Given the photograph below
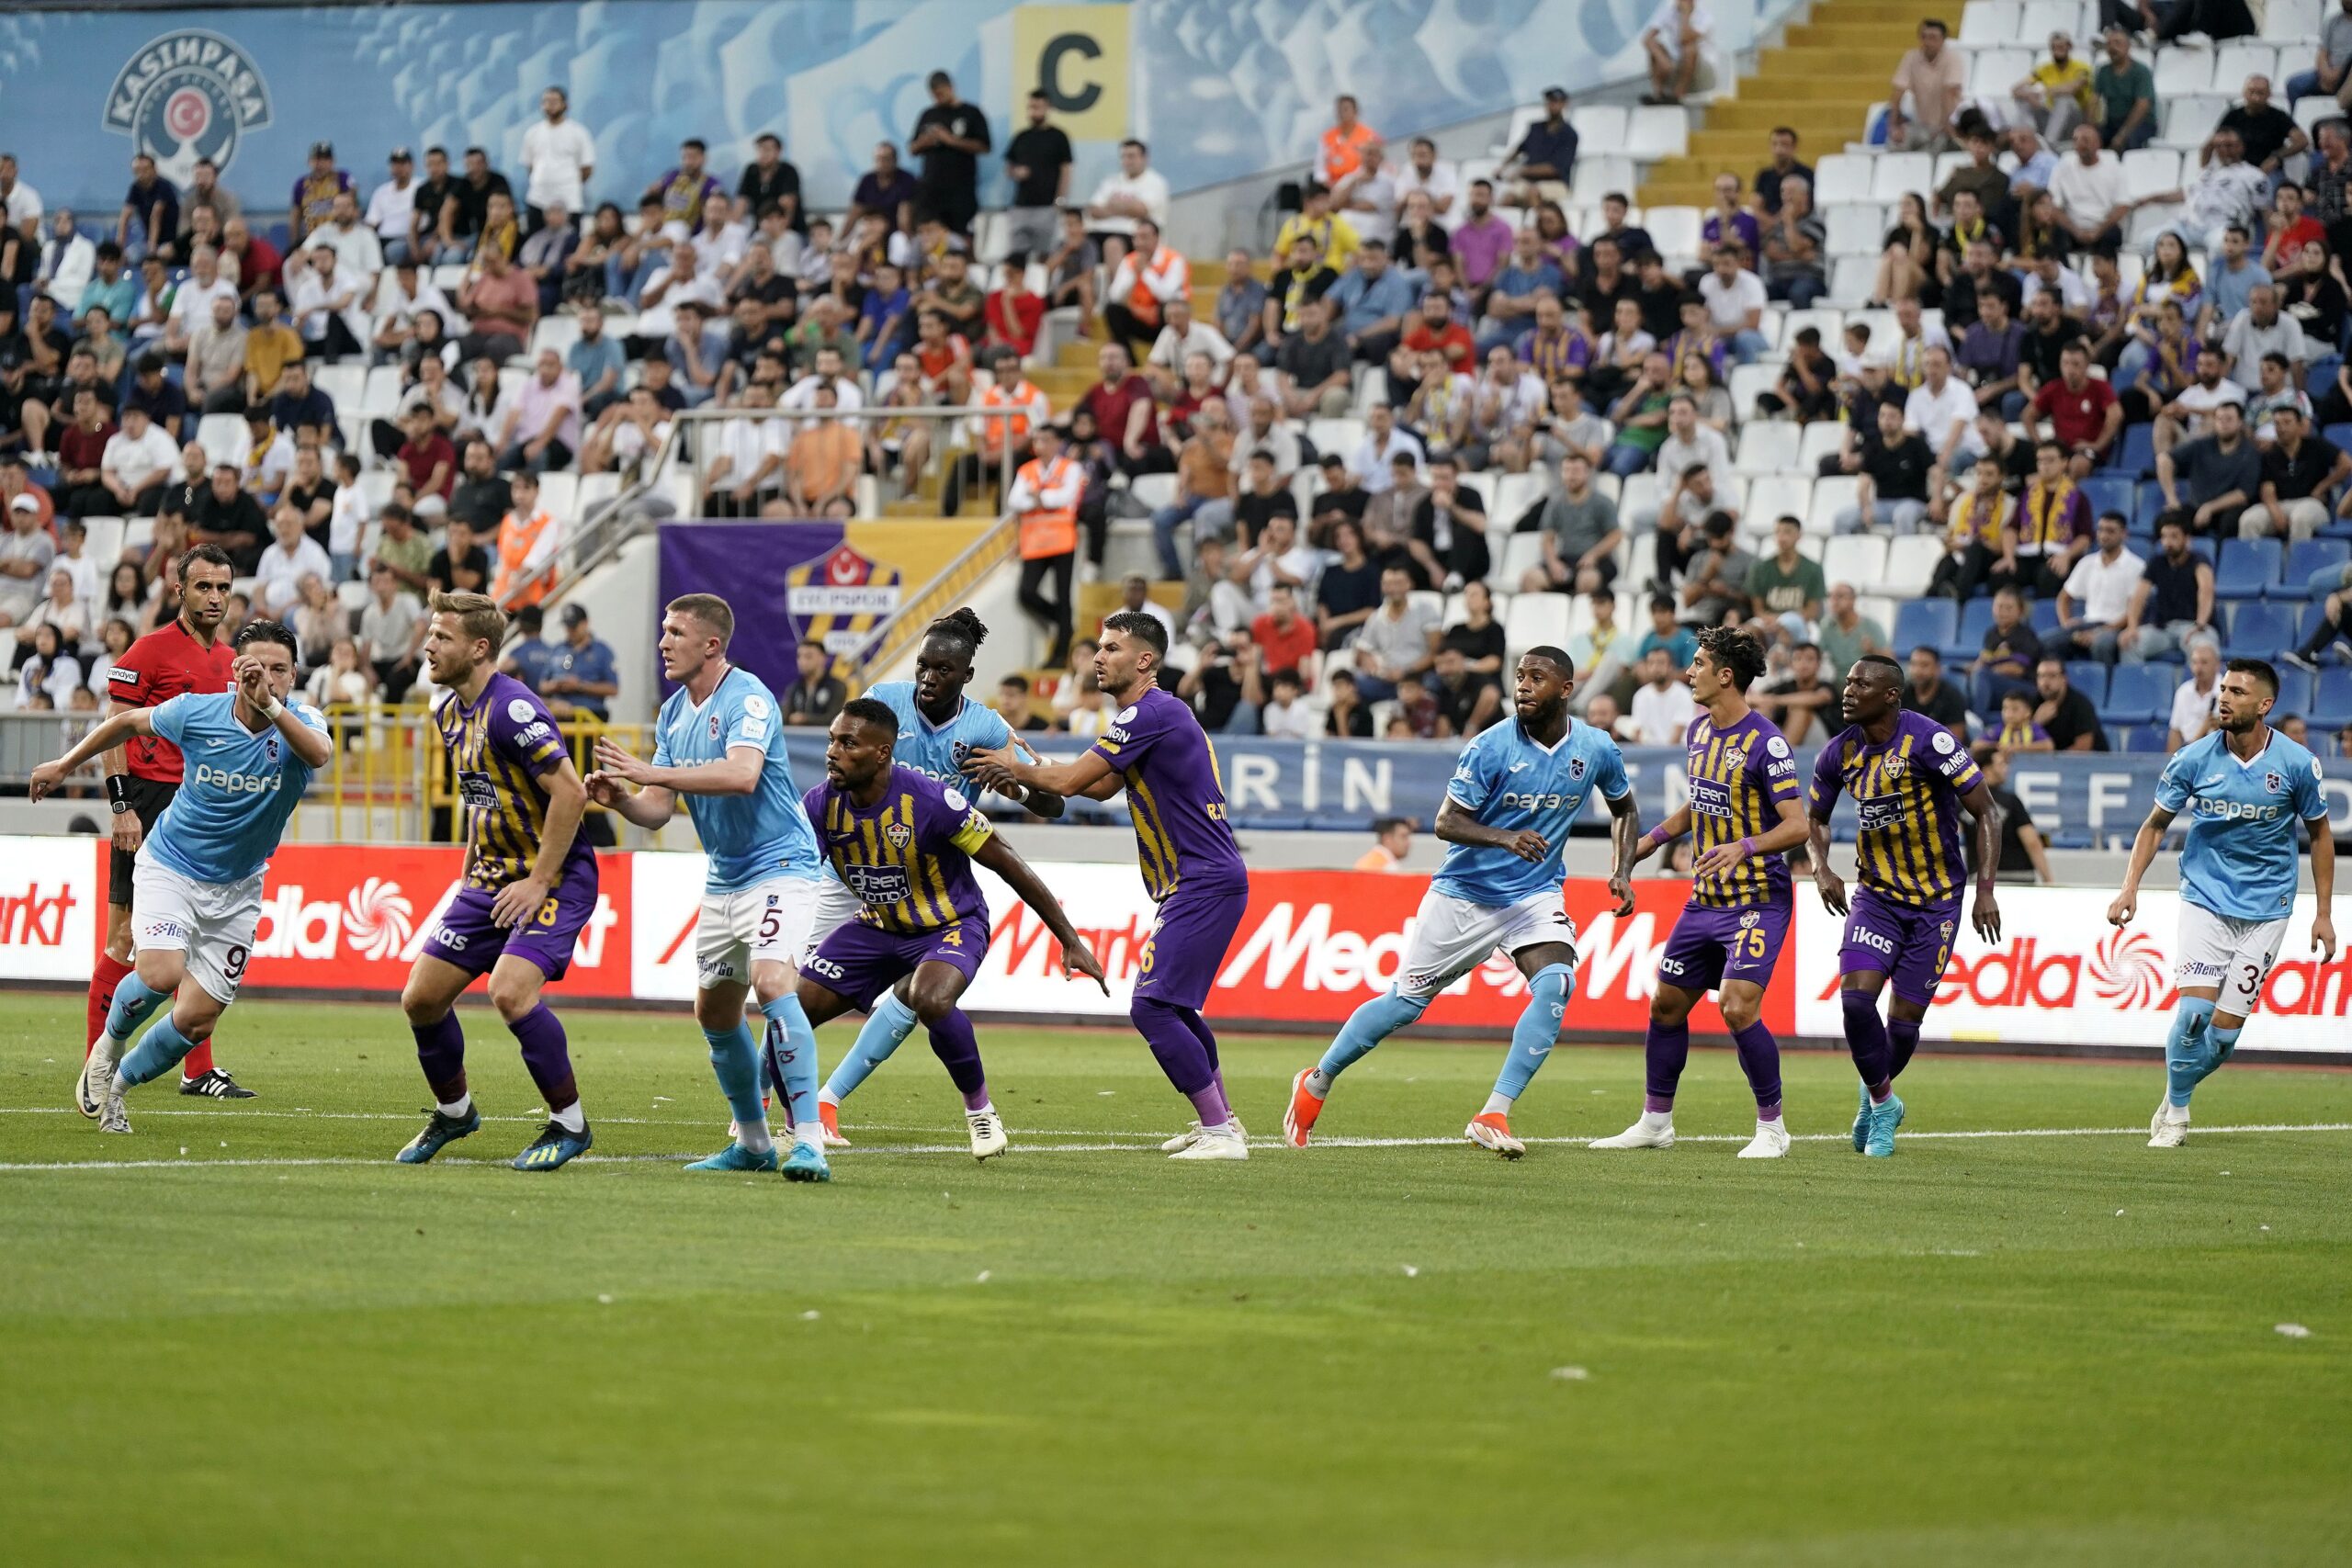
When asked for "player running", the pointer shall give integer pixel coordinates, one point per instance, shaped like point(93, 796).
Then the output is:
point(1911, 780)
point(719, 746)
point(2244, 787)
point(939, 729)
point(1506, 814)
point(198, 877)
point(188, 655)
point(530, 886)
point(904, 843)
point(1184, 847)
point(1745, 811)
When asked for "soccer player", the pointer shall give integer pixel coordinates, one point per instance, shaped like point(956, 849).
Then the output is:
point(1191, 868)
point(188, 655)
point(1506, 818)
point(1745, 811)
point(1911, 780)
point(904, 843)
point(530, 886)
point(198, 876)
point(939, 729)
point(720, 745)
point(2244, 787)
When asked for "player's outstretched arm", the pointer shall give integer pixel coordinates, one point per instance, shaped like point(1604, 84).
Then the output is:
point(2323, 884)
point(649, 807)
point(1625, 842)
point(2150, 838)
point(112, 732)
point(738, 772)
point(1457, 824)
point(1986, 813)
point(1089, 773)
point(1006, 862)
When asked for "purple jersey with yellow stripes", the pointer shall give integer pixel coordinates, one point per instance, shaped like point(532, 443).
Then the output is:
point(908, 856)
point(1159, 750)
point(1907, 794)
point(500, 747)
point(1739, 776)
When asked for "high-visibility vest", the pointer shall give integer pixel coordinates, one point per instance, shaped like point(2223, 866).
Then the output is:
point(1343, 149)
point(516, 538)
point(1012, 430)
point(1049, 530)
point(1141, 298)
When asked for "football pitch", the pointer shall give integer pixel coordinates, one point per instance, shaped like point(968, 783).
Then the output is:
point(242, 1336)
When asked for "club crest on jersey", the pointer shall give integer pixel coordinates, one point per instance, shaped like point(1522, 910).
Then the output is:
point(269, 748)
point(900, 835)
point(960, 751)
point(2273, 782)
point(1897, 766)
point(1576, 767)
point(1944, 931)
point(1749, 920)
point(714, 727)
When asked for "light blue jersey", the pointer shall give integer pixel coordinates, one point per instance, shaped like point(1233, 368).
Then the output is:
point(1506, 781)
point(937, 751)
point(753, 838)
point(2240, 858)
point(237, 792)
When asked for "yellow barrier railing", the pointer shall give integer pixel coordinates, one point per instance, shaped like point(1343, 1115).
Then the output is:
point(388, 777)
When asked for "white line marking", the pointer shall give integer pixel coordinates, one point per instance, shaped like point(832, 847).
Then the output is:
point(1151, 1145)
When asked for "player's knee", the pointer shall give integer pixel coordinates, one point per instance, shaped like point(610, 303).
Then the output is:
point(1855, 1004)
point(513, 995)
point(715, 1012)
point(1740, 1012)
point(1668, 1009)
point(422, 1006)
point(161, 970)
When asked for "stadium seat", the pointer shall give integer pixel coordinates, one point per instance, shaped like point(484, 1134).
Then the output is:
point(101, 540)
point(2137, 694)
point(1154, 490)
point(1987, 24)
point(1851, 279)
point(1747, 381)
point(2135, 453)
point(224, 438)
point(2041, 614)
point(2087, 676)
point(2249, 569)
point(2181, 72)
point(2038, 18)
point(1768, 447)
point(559, 493)
point(2150, 171)
point(2137, 738)
point(2295, 690)
point(1536, 618)
point(1993, 71)
point(2242, 58)
point(1856, 560)
point(2260, 629)
point(1975, 620)
point(1657, 131)
point(381, 394)
point(1855, 228)
point(556, 332)
point(1673, 229)
point(2304, 558)
point(1822, 438)
point(1929, 621)
point(1825, 322)
point(2332, 700)
point(344, 384)
point(2292, 22)
point(1339, 435)
point(1841, 177)
point(1911, 562)
point(1830, 496)
point(1598, 125)
point(1522, 553)
point(2109, 493)
point(1777, 496)
point(2189, 121)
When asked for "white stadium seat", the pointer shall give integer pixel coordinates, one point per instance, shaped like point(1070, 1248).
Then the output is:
point(1851, 278)
point(1154, 490)
point(1673, 229)
point(224, 438)
point(1640, 498)
point(2038, 18)
point(382, 393)
point(2294, 23)
point(2189, 121)
point(1828, 323)
point(1896, 174)
point(1536, 619)
point(559, 493)
point(1598, 125)
point(1855, 228)
point(1910, 562)
point(1521, 118)
point(1830, 496)
point(2150, 171)
point(1781, 495)
point(1874, 608)
point(1597, 176)
point(1839, 178)
point(1514, 493)
point(1993, 72)
point(2238, 59)
point(1822, 438)
point(2183, 70)
point(1985, 24)
point(344, 384)
point(1657, 131)
point(1339, 435)
point(1747, 381)
point(1768, 446)
point(1522, 553)
point(1946, 163)
point(1858, 559)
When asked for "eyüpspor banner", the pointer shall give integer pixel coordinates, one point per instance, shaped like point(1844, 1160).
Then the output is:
point(1312, 946)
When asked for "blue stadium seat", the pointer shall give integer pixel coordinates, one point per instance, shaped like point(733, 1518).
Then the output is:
point(2304, 558)
point(2135, 455)
point(1929, 621)
point(2248, 570)
point(2087, 676)
point(2041, 614)
point(2339, 434)
point(2319, 382)
point(2151, 501)
point(2137, 694)
point(2332, 706)
point(2111, 493)
point(2294, 691)
point(2259, 630)
point(2137, 738)
point(1975, 620)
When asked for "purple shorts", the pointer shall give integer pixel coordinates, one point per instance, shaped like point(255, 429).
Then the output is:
point(463, 935)
point(1187, 945)
point(1708, 947)
point(860, 962)
point(1910, 946)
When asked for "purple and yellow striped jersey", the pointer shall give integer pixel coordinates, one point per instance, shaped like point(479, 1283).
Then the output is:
point(1173, 794)
point(499, 749)
point(1739, 776)
point(1906, 795)
point(908, 856)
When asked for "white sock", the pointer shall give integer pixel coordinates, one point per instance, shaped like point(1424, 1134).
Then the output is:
point(571, 1119)
point(456, 1111)
point(754, 1137)
point(1656, 1118)
point(1496, 1105)
point(986, 1110)
point(827, 1097)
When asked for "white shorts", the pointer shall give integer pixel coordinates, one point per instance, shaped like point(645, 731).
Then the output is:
point(212, 922)
point(836, 907)
point(1453, 936)
point(768, 923)
point(2236, 956)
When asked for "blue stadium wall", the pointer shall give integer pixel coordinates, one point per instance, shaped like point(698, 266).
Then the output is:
point(1222, 88)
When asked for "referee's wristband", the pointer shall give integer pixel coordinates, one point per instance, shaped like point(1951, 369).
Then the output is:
point(119, 789)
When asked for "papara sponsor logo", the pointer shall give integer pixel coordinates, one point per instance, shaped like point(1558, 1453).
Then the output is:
point(234, 782)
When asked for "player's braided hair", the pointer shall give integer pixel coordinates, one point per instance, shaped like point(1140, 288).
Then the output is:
point(1734, 650)
point(960, 625)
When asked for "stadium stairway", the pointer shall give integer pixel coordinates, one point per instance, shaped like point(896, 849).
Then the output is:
point(1820, 82)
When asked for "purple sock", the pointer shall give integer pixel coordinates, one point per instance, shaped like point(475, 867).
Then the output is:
point(546, 1056)
point(1177, 1048)
point(1903, 1034)
point(441, 1051)
point(1759, 1058)
point(1210, 1105)
point(959, 1050)
point(1866, 1037)
point(1665, 1049)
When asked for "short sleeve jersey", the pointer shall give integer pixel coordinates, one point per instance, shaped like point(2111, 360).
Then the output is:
point(1907, 794)
point(240, 788)
point(157, 668)
point(1508, 780)
point(908, 856)
point(938, 751)
point(2240, 858)
point(1158, 746)
point(501, 749)
point(748, 838)
point(1738, 776)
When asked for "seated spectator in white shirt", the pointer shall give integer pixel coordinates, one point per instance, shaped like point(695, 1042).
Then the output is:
point(1662, 704)
point(277, 579)
point(1383, 441)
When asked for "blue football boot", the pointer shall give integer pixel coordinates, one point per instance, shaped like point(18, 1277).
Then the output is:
point(438, 1134)
point(807, 1163)
point(1886, 1117)
point(555, 1147)
point(735, 1156)
point(1863, 1120)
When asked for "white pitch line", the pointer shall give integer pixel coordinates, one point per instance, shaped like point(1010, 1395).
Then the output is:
point(199, 1163)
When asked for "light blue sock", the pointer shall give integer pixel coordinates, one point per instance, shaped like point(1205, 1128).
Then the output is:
point(153, 1056)
point(797, 1062)
point(1366, 1027)
point(735, 1060)
point(1538, 1027)
point(887, 1028)
point(2184, 1050)
point(133, 1001)
point(2224, 1043)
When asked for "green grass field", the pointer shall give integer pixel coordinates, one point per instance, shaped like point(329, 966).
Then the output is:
point(242, 1335)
